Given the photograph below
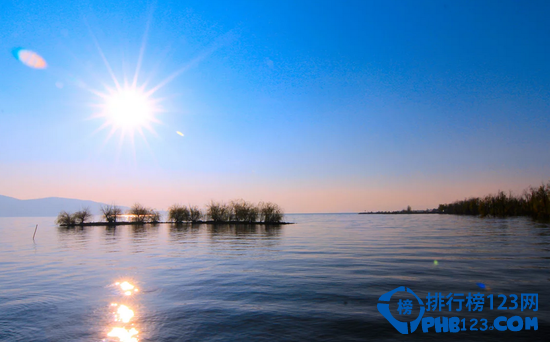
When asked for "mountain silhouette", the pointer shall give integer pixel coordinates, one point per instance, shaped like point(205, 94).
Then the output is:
point(45, 207)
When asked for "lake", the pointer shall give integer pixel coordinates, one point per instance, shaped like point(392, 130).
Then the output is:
point(317, 280)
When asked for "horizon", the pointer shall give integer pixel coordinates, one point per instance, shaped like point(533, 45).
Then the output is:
point(160, 209)
point(316, 106)
point(165, 210)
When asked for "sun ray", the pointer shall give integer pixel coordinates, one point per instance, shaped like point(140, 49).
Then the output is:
point(96, 43)
point(223, 40)
point(120, 143)
point(102, 127)
point(169, 79)
point(128, 106)
point(106, 140)
point(98, 93)
point(126, 110)
point(155, 68)
point(147, 144)
point(141, 52)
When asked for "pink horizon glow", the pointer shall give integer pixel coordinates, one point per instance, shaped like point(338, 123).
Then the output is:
point(293, 196)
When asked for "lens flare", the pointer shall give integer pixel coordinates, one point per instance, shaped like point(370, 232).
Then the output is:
point(29, 58)
point(483, 286)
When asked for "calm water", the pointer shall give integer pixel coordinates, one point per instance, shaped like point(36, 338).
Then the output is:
point(317, 280)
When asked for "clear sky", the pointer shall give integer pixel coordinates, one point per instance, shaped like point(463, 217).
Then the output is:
point(319, 106)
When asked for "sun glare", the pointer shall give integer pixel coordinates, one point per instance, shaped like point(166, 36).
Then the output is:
point(128, 106)
point(128, 109)
point(124, 316)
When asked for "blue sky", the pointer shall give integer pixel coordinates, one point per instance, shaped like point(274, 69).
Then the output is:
point(321, 106)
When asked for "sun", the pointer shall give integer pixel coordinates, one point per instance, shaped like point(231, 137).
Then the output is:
point(126, 106)
point(128, 109)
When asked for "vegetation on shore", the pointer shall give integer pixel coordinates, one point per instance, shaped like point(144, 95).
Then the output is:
point(141, 214)
point(77, 218)
point(534, 202)
point(404, 211)
point(181, 213)
point(111, 213)
point(236, 211)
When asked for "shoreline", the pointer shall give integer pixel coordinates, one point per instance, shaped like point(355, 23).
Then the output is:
point(398, 212)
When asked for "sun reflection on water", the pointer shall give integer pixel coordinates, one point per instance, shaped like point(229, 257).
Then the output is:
point(127, 288)
point(124, 314)
point(124, 335)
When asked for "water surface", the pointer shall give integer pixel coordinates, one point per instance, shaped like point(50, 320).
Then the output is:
point(316, 280)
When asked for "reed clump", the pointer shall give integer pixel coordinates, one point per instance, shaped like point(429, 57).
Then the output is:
point(142, 214)
point(65, 219)
point(111, 213)
point(219, 212)
point(237, 210)
point(77, 218)
point(195, 214)
point(181, 213)
point(270, 212)
point(244, 211)
point(534, 202)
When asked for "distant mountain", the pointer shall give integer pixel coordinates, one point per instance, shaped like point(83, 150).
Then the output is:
point(45, 207)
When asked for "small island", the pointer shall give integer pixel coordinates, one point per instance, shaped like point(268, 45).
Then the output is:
point(234, 212)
